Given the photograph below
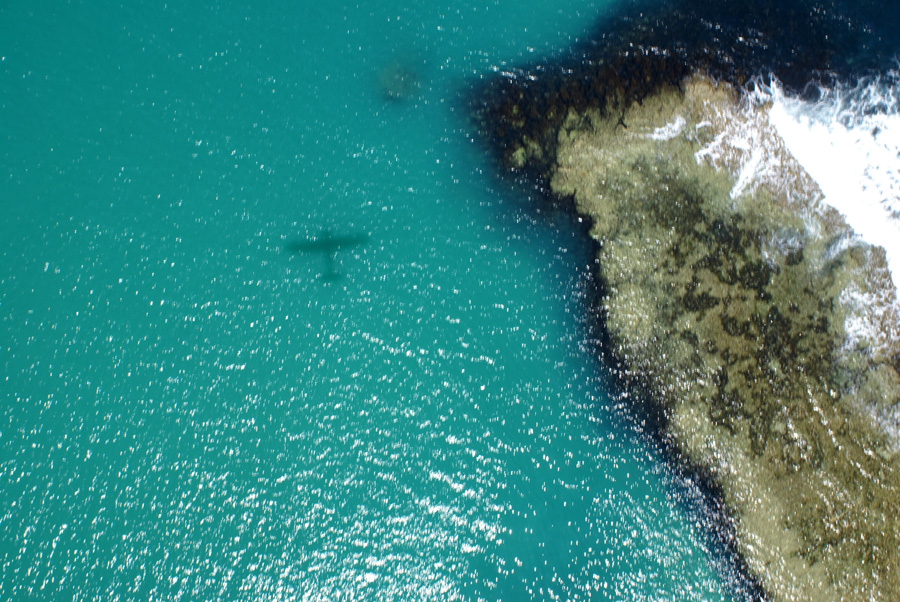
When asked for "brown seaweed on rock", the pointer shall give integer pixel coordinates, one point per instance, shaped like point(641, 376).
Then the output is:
point(647, 45)
point(738, 342)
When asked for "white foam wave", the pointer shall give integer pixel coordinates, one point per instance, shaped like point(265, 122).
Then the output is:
point(748, 146)
point(668, 131)
point(849, 143)
point(841, 151)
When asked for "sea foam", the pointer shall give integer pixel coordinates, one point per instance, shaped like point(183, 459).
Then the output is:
point(842, 152)
point(848, 141)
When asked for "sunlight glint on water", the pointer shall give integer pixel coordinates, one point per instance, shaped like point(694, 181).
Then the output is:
point(193, 413)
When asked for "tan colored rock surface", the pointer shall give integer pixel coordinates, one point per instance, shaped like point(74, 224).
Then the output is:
point(729, 294)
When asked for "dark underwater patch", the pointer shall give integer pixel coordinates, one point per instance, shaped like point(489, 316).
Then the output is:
point(635, 52)
point(644, 46)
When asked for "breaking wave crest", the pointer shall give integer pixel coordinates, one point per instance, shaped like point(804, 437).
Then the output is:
point(848, 141)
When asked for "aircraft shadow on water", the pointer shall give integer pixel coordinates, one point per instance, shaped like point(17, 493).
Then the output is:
point(328, 245)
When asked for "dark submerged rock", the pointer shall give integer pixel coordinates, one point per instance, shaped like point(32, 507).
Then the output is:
point(645, 46)
point(779, 329)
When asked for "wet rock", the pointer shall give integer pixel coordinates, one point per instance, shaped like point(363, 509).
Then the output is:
point(762, 393)
point(718, 307)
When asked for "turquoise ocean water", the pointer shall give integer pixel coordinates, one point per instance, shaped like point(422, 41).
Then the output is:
point(189, 412)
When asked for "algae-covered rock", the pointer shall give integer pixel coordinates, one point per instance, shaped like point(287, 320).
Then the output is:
point(744, 308)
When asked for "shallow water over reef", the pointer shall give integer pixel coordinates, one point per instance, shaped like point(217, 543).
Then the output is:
point(193, 411)
point(778, 381)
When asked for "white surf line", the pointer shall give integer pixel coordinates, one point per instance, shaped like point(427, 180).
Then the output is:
point(857, 166)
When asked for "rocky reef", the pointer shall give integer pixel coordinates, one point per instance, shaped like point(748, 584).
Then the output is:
point(734, 302)
point(725, 309)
